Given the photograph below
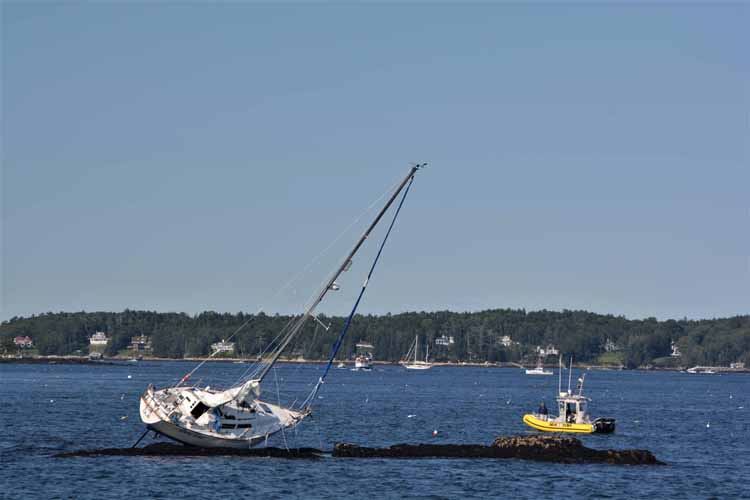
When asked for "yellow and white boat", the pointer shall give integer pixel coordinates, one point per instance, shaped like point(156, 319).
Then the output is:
point(573, 413)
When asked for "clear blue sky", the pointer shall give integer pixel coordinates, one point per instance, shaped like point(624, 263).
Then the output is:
point(180, 157)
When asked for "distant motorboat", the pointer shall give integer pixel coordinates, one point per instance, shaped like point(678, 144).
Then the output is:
point(364, 357)
point(539, 370)
point(706, 370)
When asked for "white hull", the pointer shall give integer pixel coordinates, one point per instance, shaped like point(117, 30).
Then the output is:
point(539, 371)
point(362, 365)
point(192, 438)
point(418, 366)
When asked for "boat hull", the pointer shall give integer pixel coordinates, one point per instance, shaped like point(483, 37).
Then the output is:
point(552, 426)
point(192, 438)
point(158, 418)
point(417, 367)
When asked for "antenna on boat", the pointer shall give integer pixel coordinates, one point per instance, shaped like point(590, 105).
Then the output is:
point(570, 374)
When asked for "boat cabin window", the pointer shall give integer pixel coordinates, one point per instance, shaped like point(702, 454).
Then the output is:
point(198, 410)
point(570, 412)
point(265, 408)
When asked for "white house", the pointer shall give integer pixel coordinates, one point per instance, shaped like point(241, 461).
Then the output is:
point(99, 338)
point(550, 350)
point(610, 346)
point(506, 341)
point(445, 341)
point(222, 346)
point(675, 350)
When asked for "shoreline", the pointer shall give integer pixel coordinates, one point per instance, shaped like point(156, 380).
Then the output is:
point(118, 360)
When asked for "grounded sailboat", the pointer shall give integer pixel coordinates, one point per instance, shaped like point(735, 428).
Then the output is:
point(237, 417)
point(417, 364)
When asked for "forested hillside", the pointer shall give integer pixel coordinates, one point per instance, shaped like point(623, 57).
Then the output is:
point(476, 335)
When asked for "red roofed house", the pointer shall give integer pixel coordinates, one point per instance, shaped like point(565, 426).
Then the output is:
point(23, 341)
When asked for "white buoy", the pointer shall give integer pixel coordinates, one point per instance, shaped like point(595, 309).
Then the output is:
point(130, 376)
point(434, 433)
point(708, 425)
point(51, 400)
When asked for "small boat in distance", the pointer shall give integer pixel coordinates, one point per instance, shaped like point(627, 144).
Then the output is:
point(573, 413)
point(706, 370)
point(539, 370)
point(363, 358)
point(417, 364)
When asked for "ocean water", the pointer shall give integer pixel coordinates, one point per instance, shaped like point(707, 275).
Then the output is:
point(698, 424)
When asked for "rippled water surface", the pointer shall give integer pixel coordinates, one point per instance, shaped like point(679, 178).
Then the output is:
point(699, 424)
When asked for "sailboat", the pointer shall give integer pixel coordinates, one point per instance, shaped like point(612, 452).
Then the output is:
point(417, 364)
point(237, 417)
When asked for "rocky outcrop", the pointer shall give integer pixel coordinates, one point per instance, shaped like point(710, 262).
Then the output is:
point(544, 448)
point(569, 450)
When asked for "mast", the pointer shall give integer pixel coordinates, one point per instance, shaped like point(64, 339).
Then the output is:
point(330, 283)
point(416, 349)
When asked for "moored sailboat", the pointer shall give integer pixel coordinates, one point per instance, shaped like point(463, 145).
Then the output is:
point(237, 417)
point(416, 363)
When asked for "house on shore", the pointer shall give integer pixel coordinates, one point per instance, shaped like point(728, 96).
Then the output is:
point(140, 343)
point(23, 342)
point(222, 347)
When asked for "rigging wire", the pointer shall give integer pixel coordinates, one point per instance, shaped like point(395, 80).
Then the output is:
point(286, 285)
point(337, 345)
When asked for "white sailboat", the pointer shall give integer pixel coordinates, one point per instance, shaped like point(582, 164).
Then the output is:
point(237, 417)
point(417, 364)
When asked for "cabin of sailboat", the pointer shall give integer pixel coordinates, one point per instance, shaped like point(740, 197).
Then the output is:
point(237, 417)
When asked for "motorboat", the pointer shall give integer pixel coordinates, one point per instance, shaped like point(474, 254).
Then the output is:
point(363, 358)
point(573, 416)
point(539, 370)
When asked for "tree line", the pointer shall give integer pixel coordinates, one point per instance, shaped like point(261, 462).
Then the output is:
point(476, 335)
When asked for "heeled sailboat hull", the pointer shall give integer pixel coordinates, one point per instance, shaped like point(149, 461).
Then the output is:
point(230, 425)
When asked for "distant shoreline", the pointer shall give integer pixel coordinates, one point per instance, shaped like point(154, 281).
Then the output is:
point(120, 360)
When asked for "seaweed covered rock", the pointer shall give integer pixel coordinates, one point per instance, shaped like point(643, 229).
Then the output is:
point(568, 449)
point(543, 448)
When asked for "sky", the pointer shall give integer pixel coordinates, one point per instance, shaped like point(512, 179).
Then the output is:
point(198, 156)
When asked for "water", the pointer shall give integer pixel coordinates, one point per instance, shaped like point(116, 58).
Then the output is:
point(699, 424)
